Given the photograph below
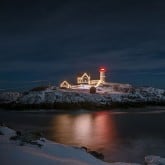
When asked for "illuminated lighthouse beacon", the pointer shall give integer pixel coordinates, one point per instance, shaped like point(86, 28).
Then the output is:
point(102, 74)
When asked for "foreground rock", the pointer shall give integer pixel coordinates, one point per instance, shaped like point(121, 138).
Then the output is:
point(11, 152)
point(154, 160)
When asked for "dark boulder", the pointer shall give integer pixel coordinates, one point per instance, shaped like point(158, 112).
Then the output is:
point(92, 90)
point(97, 155)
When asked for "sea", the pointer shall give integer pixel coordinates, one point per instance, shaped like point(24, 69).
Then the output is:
point(122, 135)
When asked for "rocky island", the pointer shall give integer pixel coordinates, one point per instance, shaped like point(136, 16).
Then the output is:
point(86, 93)
point(105, 96)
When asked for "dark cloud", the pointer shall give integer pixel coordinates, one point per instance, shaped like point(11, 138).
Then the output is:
point(56, 39)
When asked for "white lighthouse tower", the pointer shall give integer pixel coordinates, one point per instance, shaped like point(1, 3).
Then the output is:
point(102, 74)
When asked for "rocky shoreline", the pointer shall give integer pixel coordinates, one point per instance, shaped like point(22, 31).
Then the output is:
point(35, 149)
point(68, 106)
point(70, 99)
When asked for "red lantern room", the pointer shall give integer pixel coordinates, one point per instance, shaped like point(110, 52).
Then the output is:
point(102, 69)
point(102, 74)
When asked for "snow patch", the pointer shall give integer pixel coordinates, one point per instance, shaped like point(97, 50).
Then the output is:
point(154, 160)
point(7, 131)
point(53, 153)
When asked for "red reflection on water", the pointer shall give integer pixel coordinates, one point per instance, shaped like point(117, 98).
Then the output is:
point(92, 130)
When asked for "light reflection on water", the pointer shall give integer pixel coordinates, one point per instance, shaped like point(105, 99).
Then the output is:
point(85, 129)
point(119, 135)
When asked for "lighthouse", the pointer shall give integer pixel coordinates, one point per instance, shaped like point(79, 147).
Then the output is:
point(102, 74)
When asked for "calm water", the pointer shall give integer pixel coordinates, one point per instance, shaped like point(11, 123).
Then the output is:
point(119, 135)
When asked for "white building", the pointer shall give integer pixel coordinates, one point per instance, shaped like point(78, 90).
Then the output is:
point(84, 81)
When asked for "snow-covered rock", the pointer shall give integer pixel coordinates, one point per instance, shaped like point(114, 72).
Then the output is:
point(61, 96)
point(11, 152)
point(8, 97)
point(106, 96)
point(7, 131)
point(51, 153)
point(33, 97)
point(154, 160)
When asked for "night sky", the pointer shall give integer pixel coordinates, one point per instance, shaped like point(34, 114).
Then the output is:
point(49, 41)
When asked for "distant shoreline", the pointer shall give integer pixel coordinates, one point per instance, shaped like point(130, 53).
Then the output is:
point(88, 106)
